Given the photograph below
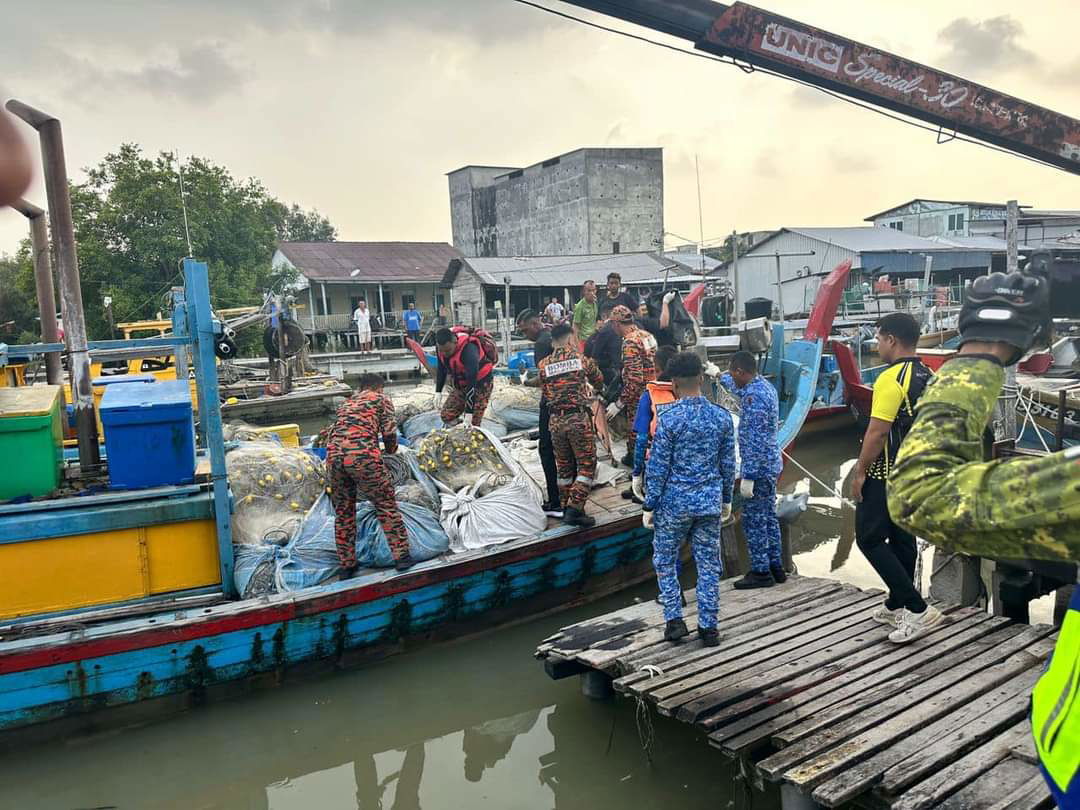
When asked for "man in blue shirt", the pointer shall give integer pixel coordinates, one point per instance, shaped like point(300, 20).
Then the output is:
point(759, 422)
point(690, 475)
point(413, 320)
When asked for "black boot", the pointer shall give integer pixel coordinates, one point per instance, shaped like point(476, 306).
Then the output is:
point(755, 579)
point(710, 636)
point(675, 630)
point(572, 516)
point(347, 573)
point(627, 460)
point(778, 574)
point(404, 563)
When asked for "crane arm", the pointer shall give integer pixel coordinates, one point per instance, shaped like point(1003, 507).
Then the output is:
point(823, 59)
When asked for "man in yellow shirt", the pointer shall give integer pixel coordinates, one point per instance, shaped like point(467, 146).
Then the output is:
point(890, 549)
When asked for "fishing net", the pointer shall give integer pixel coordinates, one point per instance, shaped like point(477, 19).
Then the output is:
point(273, 488)
point(516, 406)
point(422, 424)
point(409, 402)
point(243, 432)
point(461, 456)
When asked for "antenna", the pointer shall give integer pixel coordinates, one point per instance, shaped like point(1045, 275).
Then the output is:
point(701, 224)
point(183, 205)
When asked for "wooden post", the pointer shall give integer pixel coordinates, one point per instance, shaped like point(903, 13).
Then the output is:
point(63, 232)
point(506, 319)
point(1012, 264)
point(736, 316)
point(779, 288)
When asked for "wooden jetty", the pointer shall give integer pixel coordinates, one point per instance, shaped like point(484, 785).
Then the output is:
point(806, 690)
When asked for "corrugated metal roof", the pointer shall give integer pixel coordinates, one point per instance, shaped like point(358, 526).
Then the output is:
point(564, 271)
point(863, 239)
point(376, 261)
point(972, 203)
point(692, 261)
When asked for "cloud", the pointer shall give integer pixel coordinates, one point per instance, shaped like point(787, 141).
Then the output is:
point(199, 73)
point(765, 164)
point(848, 162)
point(986, 45)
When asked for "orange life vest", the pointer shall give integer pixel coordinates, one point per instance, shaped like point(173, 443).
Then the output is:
point(662, 396)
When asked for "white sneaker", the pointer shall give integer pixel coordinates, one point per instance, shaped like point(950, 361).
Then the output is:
point(913, 625)
point(886, 616)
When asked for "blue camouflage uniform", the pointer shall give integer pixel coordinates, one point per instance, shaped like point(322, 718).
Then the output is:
point(691, 473)
point(759, 422)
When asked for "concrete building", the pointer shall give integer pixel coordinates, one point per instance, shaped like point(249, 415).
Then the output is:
point(477, 285)
point(945, 219)
point(586, 202)
point(334, 276)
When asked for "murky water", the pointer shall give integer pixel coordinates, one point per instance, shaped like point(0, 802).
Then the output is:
point(470, 724)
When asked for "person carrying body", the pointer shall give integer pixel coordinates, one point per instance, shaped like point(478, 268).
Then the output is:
point(605, 347)
point(565, 379)
point(759, 423)
point(658, 396)
point(690, 476)
point(616, 296)
point(354, 465)
point(1022, 507)
point(530, 325)
point(462, 358)
point(889, 548)
point(638, 370)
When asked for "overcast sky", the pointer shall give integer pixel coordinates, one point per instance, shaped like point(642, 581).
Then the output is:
point(359, 107)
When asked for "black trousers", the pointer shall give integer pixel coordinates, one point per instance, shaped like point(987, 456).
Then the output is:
point(890, 550)
point(547, 455)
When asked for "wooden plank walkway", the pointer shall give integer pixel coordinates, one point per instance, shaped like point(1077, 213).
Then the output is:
point(808, 691)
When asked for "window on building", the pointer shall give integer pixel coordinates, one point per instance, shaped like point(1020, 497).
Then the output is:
point(614, 247)
point(897, 226)
point(406, 299)
point(956, 222)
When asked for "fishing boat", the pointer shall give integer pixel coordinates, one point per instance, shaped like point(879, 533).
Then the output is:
point(156, 628)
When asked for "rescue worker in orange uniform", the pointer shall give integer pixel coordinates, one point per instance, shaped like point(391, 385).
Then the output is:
point(658, 395)
point(565, 377)
point(354, 465)
point(638, 370)
point(462, 358)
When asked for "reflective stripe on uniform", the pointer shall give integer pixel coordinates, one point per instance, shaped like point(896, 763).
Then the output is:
point(1055, 706)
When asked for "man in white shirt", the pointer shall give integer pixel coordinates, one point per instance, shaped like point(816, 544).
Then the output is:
point(362, 318)
point(554, 311)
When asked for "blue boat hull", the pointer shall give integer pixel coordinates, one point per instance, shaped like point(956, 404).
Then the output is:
point(179, 660)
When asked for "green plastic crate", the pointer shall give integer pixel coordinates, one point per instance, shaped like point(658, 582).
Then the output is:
point(30, 433)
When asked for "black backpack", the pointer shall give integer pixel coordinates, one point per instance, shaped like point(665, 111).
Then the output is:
point(905, 418)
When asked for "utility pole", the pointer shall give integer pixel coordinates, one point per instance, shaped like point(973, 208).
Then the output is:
point(779, 288)
point(506, 319)
point(736, 315)
point(67, 259)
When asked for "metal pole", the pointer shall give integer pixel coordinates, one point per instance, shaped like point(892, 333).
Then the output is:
point(1012, 264)
point(735, 277)
point(779, 288)
point(506, 318)
point(63, 231)
point(43, 282)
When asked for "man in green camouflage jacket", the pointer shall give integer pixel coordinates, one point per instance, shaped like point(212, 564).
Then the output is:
point(1019, 507)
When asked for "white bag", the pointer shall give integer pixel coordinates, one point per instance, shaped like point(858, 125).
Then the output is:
point(510, 512)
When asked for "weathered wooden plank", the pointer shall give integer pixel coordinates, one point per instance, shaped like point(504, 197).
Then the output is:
point(948, 780)
point(772, 622)
point(1032, 794)
point(846, 640)
point(743, 724)
point(925, 749)
point(831, 727)
point(780, 626)
point(943, 742)
point(558, 667)
point(998, 782)
point(740, 603)
point(755, 616)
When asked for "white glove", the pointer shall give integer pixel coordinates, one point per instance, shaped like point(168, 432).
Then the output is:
point(725, 513)
point(437, 401)
point(637, 488)
point(613, 410)
point(647, 519)
point(712, 370)
point(746, 488)
point(669, 297)
point(524, 374)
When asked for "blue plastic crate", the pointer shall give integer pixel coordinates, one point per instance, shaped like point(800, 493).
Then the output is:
point(149, 434)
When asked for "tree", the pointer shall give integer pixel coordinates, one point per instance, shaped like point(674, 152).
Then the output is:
point(130, 230)
point(19, 322)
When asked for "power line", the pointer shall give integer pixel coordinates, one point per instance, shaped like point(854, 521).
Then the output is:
point(939, 132)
